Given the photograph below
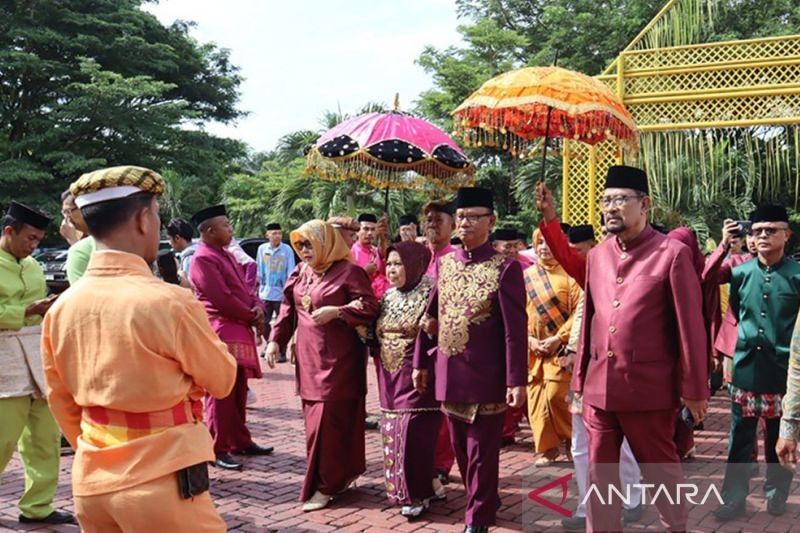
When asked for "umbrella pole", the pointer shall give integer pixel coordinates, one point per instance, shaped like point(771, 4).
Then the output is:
point(386, 201)
point(544, 147)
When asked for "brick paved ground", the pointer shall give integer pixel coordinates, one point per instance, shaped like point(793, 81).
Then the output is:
point(264, 496)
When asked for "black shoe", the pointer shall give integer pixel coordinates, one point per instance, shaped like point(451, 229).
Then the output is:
point(371, 422)
point(776, 506)
point(56, 517)
point(444, 477)
point(507, 441)
point(282, 359)
point(729, 511)
point(476, 529)
point(631, 516)
point(576, 523)
point(226, 462)
point(255, 449)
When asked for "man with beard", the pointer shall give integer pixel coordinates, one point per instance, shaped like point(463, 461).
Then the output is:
point(642, 349)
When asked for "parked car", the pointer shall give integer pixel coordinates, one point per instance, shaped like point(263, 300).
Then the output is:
point(54, 264)
point(251, 244)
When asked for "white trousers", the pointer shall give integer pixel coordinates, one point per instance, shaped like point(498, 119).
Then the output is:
point(629, 473)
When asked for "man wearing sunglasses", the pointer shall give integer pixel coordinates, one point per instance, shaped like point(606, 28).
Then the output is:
point(642, 349)
point(765, 296)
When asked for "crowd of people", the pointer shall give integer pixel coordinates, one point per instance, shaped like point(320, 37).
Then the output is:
point(609, 349)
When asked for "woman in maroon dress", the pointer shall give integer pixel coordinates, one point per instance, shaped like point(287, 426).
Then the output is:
point(331, 360)
point(410, 421)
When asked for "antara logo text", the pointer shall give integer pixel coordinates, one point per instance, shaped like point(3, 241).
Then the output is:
point(683, 493)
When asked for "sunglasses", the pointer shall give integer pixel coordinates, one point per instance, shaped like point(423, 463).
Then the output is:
point(769, 232)
point(304, 245)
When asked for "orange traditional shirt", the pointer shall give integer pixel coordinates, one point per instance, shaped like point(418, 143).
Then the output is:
point(127, 358)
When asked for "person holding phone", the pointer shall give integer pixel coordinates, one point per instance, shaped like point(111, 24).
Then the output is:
point(765, 297)
point(26, 423)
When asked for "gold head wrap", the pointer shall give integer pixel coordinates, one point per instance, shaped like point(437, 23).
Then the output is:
point(327, 242)
point(114, 183)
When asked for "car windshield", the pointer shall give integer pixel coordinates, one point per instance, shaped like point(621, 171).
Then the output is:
point(53, 255)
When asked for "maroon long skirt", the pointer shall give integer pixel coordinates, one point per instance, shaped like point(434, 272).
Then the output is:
point(409, 446)
point(334, 445)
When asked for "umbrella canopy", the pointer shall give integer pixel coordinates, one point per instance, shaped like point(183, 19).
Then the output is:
point(512, 109)
point(390, 150)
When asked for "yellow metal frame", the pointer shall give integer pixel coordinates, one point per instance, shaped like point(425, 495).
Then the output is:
point(732, 84)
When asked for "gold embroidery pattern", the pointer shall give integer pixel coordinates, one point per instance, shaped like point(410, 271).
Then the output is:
point(467, 412)
point(398, 323)
point(464, 292)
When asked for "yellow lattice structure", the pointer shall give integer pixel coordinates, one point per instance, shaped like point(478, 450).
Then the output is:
point(733, 84)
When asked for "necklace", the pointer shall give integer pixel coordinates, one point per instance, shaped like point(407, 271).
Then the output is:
point(305, 300)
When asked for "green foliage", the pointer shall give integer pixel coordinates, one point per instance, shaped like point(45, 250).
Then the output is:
point(698, 185)
point(93, 83)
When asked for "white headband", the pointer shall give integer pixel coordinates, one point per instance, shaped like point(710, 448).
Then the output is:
point(103, 195)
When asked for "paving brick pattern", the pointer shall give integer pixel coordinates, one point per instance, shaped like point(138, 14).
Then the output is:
point(264, 496)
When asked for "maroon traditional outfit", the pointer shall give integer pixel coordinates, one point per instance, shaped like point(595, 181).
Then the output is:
point(482, 349)
point(444, 457)
point(331, 360)
point(410, 421)
point(642, 349)
point(219, 283)
point(684, 435)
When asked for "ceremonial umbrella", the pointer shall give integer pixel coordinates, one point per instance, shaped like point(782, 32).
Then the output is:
point(393, 150)
point(513, 109)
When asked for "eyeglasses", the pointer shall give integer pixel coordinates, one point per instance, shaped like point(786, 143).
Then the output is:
point(618, 200)
point(769, 232)
point(472, 219)
point(304, 245)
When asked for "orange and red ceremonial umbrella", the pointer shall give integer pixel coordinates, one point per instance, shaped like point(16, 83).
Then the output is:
point(513, 109)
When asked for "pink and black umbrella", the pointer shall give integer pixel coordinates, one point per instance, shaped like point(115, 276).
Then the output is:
point(392, 150)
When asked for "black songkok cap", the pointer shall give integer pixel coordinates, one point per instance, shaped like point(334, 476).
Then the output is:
point(769, 213)
point(28, 215)
point(659, 228)
point(506, 234)
point(474, 197)
point(622, 177)
point(581, 233)
point(565, 227)
point(405, 220)
point(367, 217)
point(273, 226)
point(441, 206)
point(208, 213)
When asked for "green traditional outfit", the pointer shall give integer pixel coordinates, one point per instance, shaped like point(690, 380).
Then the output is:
point(766, 300)
point(78, 258)
point(25, 419)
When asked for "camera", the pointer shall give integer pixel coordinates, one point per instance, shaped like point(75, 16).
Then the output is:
point(746, 225)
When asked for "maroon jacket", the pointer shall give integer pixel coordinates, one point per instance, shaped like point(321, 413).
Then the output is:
point(718, 270)
point(643, 343)
point(483, 327)
point(331, 360)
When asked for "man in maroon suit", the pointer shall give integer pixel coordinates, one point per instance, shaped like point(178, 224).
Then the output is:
point(481, 359)
point(642, 350)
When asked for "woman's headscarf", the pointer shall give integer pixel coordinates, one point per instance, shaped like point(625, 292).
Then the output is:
point(538, 238)
point(327, 242)
point(415, 258)
point(687, 237)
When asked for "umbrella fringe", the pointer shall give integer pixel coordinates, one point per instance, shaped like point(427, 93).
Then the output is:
point(480, 127)
point(427, 174)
